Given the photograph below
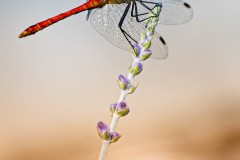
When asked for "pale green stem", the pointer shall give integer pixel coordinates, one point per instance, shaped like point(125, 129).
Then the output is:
point(104, 150)
point(114, 122)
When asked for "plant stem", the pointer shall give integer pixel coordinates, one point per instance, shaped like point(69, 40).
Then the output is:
point(104, 150)
point(114, 122)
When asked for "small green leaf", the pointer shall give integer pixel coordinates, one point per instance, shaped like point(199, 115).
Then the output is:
point(105, 136)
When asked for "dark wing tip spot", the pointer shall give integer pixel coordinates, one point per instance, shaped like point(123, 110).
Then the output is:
point(186, 5)
point(162, 40)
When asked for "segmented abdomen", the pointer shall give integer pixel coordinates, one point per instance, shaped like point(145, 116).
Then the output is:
point(41, 25)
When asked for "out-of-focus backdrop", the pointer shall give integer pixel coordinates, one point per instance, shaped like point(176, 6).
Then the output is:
point(56, 85)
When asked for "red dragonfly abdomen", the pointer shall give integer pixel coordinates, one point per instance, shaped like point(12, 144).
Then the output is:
point(41, 25)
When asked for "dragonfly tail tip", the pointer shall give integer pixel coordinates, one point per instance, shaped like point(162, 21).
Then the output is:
point(23, 34)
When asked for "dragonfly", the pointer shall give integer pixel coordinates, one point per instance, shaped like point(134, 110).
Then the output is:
point(121, 22)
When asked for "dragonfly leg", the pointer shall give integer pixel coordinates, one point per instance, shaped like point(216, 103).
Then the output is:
point(134, 7)
point(137, 15)
point(126, 35)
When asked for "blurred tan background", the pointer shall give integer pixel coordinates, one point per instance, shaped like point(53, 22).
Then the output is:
point(56, 85)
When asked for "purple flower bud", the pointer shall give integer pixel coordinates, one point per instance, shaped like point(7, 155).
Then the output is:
point(122, 109)
point(115, 134)
point(102, 127)
point(137, 50)
point(145, 54)
point(115, 137)
point(123, 82)
point(121, 106)
point(113, 107)
point(136, 68)
point(103, 131)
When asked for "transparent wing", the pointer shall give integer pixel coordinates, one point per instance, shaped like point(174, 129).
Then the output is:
point(175, 12)
point(105, 21)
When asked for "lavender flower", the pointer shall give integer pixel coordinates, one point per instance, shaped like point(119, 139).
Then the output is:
point(145, 54)
point(113, 107)
point(146, 41)
point(121, 109)
point(137, 50)
point(103, 131)
point(140, 51)
point(115, 137)
point(136, 68)
point(123, 82)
